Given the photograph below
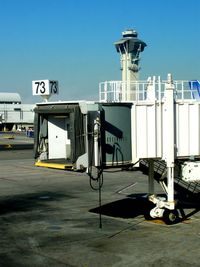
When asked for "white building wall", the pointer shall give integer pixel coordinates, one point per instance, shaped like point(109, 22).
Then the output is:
point(17, 113)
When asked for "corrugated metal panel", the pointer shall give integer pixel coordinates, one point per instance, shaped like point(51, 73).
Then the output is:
point(150, 138)
point(188, 129)
point(146, 127)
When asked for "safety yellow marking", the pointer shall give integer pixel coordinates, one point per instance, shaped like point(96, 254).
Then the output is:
point(160, 221)
point(53, 165)
point(156, 221)
point(8, 137)
point(8, 146)
point(187, 221)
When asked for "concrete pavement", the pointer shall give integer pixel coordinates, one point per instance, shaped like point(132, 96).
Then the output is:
point(50, 218)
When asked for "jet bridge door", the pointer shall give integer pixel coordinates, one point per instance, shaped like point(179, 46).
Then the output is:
point(58, 141)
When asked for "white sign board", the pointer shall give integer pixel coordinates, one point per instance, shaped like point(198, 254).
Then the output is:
point(44, 87)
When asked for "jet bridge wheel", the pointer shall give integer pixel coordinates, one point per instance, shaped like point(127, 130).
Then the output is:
point(147, 211)
point(170, 216)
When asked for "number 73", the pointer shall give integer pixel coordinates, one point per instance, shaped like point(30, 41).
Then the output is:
point(53, 87)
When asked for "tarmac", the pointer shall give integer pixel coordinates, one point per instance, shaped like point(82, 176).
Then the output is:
point(51, 217)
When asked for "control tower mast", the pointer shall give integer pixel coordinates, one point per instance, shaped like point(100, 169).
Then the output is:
point(129, 48)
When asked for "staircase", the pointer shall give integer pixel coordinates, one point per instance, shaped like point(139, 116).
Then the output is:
point(160, 174)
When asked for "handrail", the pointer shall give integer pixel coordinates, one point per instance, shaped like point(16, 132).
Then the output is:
point(119, 91)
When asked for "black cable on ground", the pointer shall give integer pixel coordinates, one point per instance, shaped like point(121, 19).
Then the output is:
point(100, 213)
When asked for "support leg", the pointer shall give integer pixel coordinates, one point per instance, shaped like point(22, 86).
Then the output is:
point(151, 177)
point(170, 187)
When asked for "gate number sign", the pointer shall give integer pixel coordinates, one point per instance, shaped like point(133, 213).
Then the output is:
point(44, 87)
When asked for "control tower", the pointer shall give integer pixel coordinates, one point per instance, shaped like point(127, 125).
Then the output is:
point(129, 48)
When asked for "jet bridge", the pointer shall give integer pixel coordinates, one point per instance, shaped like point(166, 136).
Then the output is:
point(161, 124)
point(165, 127)
point(68, 134)
point(134, 121)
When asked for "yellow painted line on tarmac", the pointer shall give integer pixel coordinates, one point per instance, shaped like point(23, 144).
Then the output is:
point(8, 137)
point(54, 165)
point(161, 222)
point(156, 221)
point(8, 146)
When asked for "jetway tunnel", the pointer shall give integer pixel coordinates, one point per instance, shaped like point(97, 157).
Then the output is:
point(64, 134)
point(88, 135)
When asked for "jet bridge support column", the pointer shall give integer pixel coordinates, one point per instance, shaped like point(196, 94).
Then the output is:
point(166, 207)
point(170, 213)
point(169, 140)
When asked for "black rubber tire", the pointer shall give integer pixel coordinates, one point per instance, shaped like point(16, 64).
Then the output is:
point(147, 216)
point(149, 207)
point(170, 216)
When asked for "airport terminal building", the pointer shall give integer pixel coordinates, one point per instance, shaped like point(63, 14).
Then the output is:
point(14, 114)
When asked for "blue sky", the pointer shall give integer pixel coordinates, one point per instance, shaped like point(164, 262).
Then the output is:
point(72, 41)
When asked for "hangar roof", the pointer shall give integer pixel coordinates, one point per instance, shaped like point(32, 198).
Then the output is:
point(10, 98)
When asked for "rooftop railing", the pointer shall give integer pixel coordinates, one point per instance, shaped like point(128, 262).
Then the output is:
point(151, 89)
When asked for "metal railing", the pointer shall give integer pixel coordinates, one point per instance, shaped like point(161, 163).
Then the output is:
point(119, 91)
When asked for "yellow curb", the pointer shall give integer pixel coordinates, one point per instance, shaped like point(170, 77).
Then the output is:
point(54, 165)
